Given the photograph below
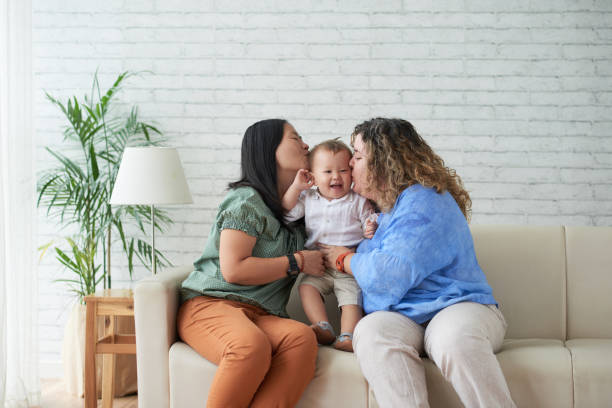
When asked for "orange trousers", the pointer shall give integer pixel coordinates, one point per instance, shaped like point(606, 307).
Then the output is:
point(263, 360)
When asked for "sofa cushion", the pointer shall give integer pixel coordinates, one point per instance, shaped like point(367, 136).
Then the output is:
point(525, 266)
point(538, 372)
point(338, 381)
point(592, 367)
point(589, 280)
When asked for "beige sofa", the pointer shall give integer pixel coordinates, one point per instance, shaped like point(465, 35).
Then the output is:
point(554, 285)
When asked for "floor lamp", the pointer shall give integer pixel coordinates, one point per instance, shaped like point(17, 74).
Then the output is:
point(151, 176)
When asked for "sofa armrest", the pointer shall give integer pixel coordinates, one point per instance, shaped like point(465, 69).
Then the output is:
point(156, 301)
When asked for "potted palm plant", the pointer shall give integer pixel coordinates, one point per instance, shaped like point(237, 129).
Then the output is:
point(76, 194)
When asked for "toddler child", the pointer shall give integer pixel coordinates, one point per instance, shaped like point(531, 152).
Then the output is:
point(334, 215)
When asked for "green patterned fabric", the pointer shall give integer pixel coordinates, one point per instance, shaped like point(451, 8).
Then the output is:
point(243, 209)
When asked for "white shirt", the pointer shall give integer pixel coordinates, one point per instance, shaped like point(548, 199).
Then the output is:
point(339, 221)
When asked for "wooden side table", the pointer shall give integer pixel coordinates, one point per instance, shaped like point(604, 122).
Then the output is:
point(110, 303)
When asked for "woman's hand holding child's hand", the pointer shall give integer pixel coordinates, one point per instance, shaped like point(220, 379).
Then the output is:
point(331, 253)
point(314, 264)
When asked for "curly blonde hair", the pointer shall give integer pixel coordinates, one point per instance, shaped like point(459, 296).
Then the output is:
point(399, 158)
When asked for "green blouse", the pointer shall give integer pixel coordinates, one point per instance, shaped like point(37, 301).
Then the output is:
point(243, 209)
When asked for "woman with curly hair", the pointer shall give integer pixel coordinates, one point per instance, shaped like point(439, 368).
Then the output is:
point(423, 290)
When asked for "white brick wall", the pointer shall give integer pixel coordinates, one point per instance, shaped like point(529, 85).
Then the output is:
point(516, 95)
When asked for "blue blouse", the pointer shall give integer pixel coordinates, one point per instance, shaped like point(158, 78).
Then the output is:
point(421, 258)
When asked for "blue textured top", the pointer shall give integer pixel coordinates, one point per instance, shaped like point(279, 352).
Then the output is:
point(421, 258)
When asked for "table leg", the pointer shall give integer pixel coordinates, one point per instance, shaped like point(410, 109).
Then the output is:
point(108, 375)
point(91, 397)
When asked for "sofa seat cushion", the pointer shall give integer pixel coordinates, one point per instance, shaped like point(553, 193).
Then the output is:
point(337, 382)
point(538, 372)
point(592, 367)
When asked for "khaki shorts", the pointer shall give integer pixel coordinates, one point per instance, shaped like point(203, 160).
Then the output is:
point(341, 284)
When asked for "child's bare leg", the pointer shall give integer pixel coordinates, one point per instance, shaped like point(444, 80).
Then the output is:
point(313, 304)
point(315, 311)
point(350, 316)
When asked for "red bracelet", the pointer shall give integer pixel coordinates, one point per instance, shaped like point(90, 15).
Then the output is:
point(340, 261)
point(299, 253)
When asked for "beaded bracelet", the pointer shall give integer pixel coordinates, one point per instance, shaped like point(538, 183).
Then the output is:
point(340, 261)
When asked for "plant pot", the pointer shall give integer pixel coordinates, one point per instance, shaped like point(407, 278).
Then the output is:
point(73, 356)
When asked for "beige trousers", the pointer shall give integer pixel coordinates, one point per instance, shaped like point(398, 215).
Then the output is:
point(461, 340)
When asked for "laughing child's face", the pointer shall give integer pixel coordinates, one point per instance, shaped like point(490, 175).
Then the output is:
point(332, 174)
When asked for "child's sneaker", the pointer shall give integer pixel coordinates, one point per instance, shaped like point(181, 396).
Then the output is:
point(344, 342)
point(324, 332)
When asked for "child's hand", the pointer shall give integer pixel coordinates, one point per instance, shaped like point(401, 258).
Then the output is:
point(303, 180)
point(370, 229)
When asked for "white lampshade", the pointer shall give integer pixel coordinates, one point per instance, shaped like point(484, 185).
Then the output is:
point(150, 176)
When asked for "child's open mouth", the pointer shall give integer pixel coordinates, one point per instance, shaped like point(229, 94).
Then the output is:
point(336, 186)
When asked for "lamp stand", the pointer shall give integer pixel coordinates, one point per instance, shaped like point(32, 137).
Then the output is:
point(154, 258)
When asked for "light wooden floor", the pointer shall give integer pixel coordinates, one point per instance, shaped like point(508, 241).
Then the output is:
point(54, 395)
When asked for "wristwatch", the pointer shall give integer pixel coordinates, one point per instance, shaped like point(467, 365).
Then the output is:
point(294, 269)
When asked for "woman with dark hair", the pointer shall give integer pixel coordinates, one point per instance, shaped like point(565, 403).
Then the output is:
point(233, 310)
point(423, 290)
